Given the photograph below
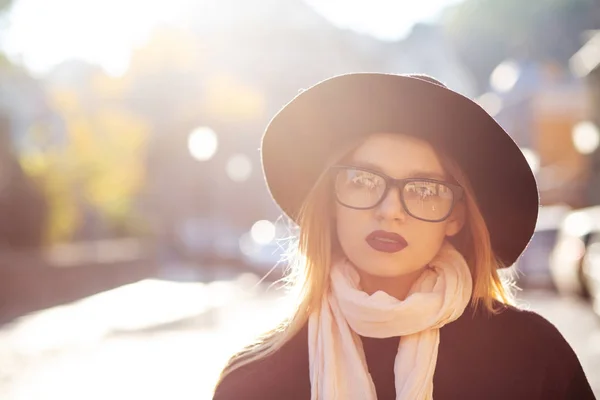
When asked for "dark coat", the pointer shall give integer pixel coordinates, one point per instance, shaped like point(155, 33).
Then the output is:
point(513, 355)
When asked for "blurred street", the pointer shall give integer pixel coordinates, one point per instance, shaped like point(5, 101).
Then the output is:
point(158, 339)
point(578, 324)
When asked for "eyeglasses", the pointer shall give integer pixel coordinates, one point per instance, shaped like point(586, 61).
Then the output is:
point(425, 199)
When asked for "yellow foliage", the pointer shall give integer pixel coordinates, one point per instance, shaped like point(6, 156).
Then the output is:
point(116, 164)
point(64, 216)
point(108, 87)
point(65, 101)
point(57, 186)
point(101, 162)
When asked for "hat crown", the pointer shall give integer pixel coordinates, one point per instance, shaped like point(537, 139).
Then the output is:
point(300, 140)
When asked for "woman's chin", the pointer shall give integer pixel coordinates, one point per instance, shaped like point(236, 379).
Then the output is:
point(385, 271)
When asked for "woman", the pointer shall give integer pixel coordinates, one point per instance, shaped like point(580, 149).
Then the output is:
point(409, 199)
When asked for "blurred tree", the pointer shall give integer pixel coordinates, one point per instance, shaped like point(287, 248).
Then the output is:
point(22, 204)
point(93, 179)
point(486, 32)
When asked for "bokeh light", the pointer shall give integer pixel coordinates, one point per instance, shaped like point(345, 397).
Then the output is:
point(505, 76)
point(247, 244)
point(578, 224)
point(239, 168)
point(263, 231)
point(203, 143)
point(586, 137)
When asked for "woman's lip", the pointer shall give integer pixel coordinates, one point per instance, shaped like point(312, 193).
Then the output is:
point(388, 242)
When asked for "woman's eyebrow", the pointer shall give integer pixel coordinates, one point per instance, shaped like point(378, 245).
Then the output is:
point(427, 174)
point(366, 164)
point(411, 174)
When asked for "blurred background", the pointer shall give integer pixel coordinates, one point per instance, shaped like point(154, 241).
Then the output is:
point(138, 242)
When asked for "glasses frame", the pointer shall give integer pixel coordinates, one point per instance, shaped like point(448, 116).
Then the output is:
point(457, 190)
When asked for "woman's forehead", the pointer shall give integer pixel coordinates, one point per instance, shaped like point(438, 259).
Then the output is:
point(397, 155)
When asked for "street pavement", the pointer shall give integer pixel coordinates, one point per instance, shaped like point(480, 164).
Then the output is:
point(157, 339)
point(577, 323)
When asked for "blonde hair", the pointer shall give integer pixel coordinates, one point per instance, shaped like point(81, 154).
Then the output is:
point(311, 257)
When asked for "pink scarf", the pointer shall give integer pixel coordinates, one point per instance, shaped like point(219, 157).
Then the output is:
point(338, 368)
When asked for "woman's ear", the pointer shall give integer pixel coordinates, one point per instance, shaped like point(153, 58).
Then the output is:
point(456, 221)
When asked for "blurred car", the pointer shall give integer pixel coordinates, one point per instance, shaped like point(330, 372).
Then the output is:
point(591, 270)
point(533, 265)
point(569, 253)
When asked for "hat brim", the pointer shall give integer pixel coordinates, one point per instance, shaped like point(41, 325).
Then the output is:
point(304, 134)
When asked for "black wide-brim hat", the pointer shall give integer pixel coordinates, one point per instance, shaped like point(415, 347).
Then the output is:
point(302, 137)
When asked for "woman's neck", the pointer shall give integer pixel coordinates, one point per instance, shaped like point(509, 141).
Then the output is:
point(395, 286)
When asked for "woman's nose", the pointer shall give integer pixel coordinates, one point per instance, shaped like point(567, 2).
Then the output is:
point(391, 207)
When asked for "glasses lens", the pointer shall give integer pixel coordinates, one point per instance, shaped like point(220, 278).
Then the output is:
point(359, 189)
point(428, 200)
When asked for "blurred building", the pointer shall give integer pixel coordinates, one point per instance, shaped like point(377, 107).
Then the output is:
point(585, 64)
point(540, 105)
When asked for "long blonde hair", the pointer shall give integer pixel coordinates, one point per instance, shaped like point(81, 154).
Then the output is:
point(311, 256)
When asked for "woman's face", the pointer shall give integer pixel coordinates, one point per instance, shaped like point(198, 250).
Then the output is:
point(381, 253)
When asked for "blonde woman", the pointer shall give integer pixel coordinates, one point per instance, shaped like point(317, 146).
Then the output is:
point(409, 198)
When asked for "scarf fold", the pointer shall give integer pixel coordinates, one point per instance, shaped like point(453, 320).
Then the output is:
point(338, 367)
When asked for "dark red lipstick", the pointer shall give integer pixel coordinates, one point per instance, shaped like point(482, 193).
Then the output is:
point(387, 242)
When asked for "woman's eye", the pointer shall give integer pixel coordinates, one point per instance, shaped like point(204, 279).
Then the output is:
point(365, 180)
point(423, 191)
